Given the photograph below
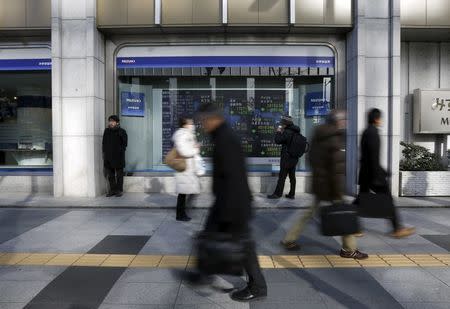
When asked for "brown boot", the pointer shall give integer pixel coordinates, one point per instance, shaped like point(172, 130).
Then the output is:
point(403, 232)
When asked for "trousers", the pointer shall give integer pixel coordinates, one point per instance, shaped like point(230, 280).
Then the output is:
point(348, 241)
point(284, 172)
point(115, 179)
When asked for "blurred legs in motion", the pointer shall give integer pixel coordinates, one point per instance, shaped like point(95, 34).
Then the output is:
point(290, 240)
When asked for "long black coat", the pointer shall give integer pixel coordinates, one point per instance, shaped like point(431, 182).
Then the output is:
point(371, 174)
point(327, 158)
point(231, 211)
point(114, 145)
point(284, 138)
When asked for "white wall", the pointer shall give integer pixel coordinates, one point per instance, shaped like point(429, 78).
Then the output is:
point(78, 88)
point(373, 81)
point(423, 65)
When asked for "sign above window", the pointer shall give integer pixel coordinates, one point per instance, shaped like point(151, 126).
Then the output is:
point(25, 64)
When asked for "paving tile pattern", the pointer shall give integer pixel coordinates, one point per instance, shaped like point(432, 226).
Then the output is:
point(39, 246)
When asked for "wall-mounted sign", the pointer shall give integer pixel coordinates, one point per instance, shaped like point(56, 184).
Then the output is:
point(132, 104)
point(316, 104)
point(225, 61)
point(431, 111)
point(25, 64)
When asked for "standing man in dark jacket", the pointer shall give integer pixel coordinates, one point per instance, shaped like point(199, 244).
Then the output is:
point(327, 158)
point(231, 211)
point(371, 175)
point(283, 137)
point(114, 145)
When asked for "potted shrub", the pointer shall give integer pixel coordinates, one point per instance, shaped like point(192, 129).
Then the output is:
point(422, 173)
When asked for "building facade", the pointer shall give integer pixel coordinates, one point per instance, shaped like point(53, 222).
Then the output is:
point(65, 66)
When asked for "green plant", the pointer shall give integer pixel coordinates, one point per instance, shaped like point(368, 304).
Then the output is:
point(418, 158)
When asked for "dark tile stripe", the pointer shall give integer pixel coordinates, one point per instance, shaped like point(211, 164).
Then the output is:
point(442, 241)
point(77, 287)
point(14, 222)
point(120, 244)
point(86, 287)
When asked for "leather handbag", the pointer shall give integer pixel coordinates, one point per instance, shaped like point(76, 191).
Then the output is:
point(339, 219)
point(175, 161)
point(375, 205)
point(219, 253)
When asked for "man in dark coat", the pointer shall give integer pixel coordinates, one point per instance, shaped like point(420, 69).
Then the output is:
point(231, 212)
point(327, 158)
point(288, 163)
point(114, 145)
point(371, 175)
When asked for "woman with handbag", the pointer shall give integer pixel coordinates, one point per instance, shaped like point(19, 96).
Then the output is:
point(187, 181)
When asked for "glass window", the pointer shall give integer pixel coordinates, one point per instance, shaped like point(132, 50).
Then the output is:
point(25, 118)
point(151, 100)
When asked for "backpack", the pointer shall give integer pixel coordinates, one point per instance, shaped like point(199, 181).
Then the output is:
point(298, 145)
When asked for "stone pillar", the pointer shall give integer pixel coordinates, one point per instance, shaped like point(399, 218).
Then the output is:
point(373, 80)
point(78, 93)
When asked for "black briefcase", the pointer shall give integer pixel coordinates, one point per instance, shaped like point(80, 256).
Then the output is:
point(339, 219)
point(220, 254)
point(375, 205)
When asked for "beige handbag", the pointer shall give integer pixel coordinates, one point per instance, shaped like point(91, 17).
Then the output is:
point(175, 161)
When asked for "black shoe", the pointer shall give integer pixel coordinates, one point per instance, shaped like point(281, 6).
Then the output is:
point(291, 245)
point(357, 255)
point(119, 194)
point(246, 294)
point(290, 196)
point(273, 197)
point(109, 194)
point(184, 218)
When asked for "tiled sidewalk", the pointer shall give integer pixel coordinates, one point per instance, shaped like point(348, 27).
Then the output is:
point(158, 200)
point(127, 258)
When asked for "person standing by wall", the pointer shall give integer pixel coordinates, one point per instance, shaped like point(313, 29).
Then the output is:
point(114, 144)
point(371, 175)
point(187, 181)
point(284, 137)
point(327, 158)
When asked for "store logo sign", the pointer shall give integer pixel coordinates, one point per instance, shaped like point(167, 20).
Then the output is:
point(441, 105)
point(431, 111)
point(323, 61)
point(133, 104)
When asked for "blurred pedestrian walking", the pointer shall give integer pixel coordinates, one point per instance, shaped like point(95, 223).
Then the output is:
point(372, 177)
point(114, 144)
point(231, 212)
point(293, 146)
point(187, 181)
point(327, 158)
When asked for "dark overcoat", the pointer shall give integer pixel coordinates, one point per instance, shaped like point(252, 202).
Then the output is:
point(284, 138)
point(371, 174)
point(114, 144)
point(327, 158)
point(231, 211)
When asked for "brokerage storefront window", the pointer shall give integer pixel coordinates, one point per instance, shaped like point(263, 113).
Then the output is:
point(253, 100)
point(25, 116)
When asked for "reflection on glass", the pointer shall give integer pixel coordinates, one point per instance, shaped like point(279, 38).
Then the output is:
point(25, 118)
point(253, 105)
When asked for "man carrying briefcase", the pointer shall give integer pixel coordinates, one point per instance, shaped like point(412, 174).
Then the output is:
point(327, 158)
point(372, 177)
